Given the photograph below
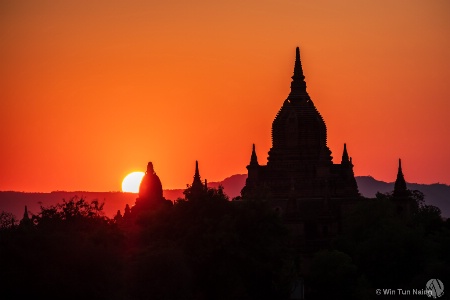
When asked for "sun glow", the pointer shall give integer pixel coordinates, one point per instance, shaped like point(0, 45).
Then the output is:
point(131, 182)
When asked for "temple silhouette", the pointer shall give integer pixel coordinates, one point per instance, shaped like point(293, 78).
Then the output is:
point(197, 190)
point(151, 194)
point(150, 190)
point(150, 197)
point(300, 179)
point(300, 164)
point(401, 196)
point(207, 247)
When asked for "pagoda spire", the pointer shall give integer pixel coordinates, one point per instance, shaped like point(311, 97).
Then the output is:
point(127, 212)
point(197, 189)
point(254, 158)
point(25, 214)
point(298, 84)
point(400, 183)
point(150, 169)
point(197, 181)
point(345, 158)
point(26, 221)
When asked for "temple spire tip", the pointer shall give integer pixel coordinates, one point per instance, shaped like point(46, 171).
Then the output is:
point(254, 158)
point(298, 84)
point(400, 183)
point(197, 173)
point(345, 157)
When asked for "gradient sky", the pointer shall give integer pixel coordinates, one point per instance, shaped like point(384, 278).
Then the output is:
point(92, 90)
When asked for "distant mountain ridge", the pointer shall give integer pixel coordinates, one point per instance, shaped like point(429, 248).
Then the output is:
point(14, 202)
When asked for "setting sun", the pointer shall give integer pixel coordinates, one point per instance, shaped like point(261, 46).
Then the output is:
point(131, 182)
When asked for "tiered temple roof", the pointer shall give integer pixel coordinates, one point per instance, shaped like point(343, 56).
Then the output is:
point(300, 159)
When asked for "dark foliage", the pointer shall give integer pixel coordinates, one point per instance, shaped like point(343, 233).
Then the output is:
point(7, 220)
point(213, 248)
point(391, 250)
point(69, 250)
point(209, 248)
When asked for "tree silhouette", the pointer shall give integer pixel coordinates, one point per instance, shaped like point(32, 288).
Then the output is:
point(213, 248)
point(391, 250)
point(7, 220)
point(223, 251)
point(333, 276)
point(70, 249)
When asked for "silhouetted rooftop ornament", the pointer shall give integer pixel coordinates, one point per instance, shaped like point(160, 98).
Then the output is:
point(254, 158)
point(345, 159)
point(25, 214)
point(127, 212)
point(26, 221)
point(298, 84)
point(197, 190)
point(150, 169)
point(197, 186)
point(150, 190)
point(400, 183)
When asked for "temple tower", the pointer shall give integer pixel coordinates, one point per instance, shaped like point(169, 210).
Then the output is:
point(150, 190)
point(405, 204)
point(197, 185)
point(299, 163)
point(299, 134)
point(26, 221)
point(400, 189)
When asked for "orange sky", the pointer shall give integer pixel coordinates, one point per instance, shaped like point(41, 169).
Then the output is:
point(93, 90)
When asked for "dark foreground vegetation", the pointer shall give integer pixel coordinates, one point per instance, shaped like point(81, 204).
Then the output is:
point(380, 249)
point(215, 249)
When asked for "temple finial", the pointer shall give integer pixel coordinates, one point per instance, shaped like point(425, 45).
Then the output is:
point(127, 212)
point(254, 158)
point(298, 84)
point(345, 158)
point(298, 64)
point(197, 173)
point(25, 214)
point(197, 188)
point(400, 183)
point(26, 221)
point(400, 171)
point(197, 181)
point(150, 169)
